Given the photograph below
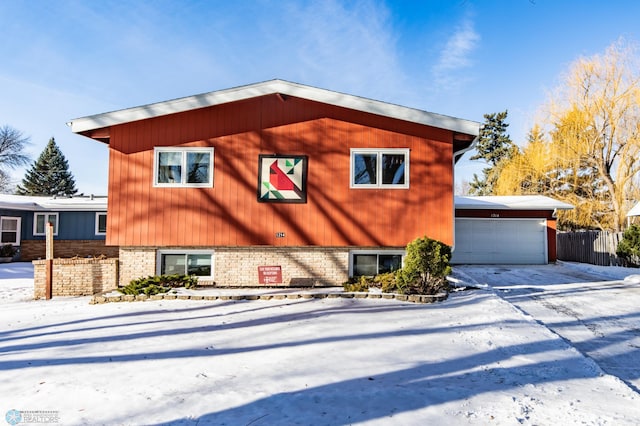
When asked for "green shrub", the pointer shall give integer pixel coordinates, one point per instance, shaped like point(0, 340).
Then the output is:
point(629, 247)
point(386, 282)
point(159, 284)
point(360, 283)
point(426, 267)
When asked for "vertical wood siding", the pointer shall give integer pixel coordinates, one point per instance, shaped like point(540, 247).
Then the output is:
point(595, 247)
point(229, 214)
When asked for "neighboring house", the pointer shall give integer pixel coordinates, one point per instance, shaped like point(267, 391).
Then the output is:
point(633, 213)
point(506, 229)
point(79, 225)
point(276, 183)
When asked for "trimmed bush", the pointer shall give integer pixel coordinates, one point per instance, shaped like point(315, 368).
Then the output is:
point(629, 247)
point(159, 284)
point(360, 283)
point(426, 267)
point(386, 282)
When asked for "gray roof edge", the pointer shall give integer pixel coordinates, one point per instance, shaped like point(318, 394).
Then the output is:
point(510, 202)
point(47, 203)
point(635, 210)
point(219, 97)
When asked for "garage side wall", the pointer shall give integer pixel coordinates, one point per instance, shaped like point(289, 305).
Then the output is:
point(522, 214)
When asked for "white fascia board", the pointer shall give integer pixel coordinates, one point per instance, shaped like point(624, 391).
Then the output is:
point(635, 211)
point(36, 203)
point(204, 100)
point(513, 202)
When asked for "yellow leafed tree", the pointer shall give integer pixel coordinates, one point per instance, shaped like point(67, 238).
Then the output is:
point(591, 157)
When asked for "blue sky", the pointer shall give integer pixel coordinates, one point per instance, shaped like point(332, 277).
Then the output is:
point(68, 59)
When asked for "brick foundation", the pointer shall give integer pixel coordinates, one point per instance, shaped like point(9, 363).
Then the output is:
point(238, 266)
point(35, 249)
point(82, 277)
point(136, 262)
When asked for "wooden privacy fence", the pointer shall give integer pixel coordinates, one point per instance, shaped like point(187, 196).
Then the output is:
point(594, 247)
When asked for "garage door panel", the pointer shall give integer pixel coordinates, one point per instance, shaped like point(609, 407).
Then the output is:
point(494, 241)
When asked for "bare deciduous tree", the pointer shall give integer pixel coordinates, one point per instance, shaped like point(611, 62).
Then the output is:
point(12, 144)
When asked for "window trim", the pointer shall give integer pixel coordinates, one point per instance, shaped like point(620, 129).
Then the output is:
point(352, 254)
point(97, 227)
point(47, 215)
point(183, 184)
point(18, 219)
point(159, 254)
point(379, 152)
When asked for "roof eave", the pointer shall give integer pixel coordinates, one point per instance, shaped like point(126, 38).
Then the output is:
point(86, 125)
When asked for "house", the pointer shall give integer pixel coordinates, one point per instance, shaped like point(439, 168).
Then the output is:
point(506, 229)
point(633, 213)
point(79, 225)
point(275, 183)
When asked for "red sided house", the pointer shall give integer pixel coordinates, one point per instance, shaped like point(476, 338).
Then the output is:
point(276, 183)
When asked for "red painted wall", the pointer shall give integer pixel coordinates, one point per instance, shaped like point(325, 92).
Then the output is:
point(229, 215)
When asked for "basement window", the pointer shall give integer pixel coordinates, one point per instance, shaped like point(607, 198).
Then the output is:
point(370, 263)
point(199, 263)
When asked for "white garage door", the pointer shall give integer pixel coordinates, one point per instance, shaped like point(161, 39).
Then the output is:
point(495, 241)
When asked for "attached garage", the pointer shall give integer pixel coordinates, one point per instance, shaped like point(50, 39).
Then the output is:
point(505, 230)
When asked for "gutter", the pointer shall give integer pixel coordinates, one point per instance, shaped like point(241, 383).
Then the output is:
point(455, 155)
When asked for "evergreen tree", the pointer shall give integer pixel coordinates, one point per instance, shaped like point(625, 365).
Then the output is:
point(494, 146)
point(49, 175)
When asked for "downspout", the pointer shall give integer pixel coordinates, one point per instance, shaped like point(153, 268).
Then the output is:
point(455, 155)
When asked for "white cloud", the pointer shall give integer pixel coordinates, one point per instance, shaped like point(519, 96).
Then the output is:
point(344, 46)
point(456, 58)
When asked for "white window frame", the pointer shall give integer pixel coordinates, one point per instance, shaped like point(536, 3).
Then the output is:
point(352, 254)
point(18, 228)
point(185, 252)
point(379, 153)
point(46, 215)
point(183, 183)
point(98, 231)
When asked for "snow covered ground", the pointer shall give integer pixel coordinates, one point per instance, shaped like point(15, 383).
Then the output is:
point(600, 318)
point(474, 359)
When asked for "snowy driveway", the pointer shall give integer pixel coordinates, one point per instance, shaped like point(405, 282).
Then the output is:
point(597, 309)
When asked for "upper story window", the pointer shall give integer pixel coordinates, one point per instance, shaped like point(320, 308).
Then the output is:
point(379, 168)
point(40, 220)
point(10, 230)
point(189, 167)
point(101, 223)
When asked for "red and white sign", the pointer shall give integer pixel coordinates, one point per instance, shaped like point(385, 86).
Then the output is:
point(270, 274)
